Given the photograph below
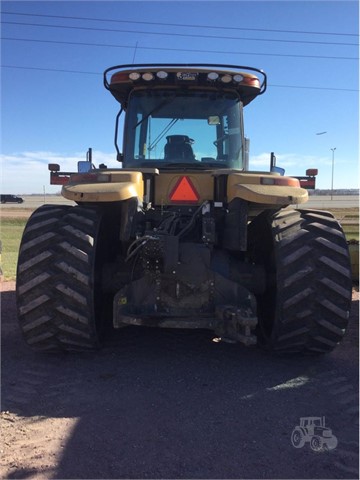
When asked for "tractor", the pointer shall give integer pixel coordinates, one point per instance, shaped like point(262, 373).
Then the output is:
point(183, 234)
point(314, 431)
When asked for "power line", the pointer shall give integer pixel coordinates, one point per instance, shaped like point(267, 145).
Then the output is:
point(314, 88)
point(217, 27)
point(172, 34)
point(81, 72)
point(221, 52)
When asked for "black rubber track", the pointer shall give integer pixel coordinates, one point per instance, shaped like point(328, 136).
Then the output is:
point(307, 302)
point(56, 279)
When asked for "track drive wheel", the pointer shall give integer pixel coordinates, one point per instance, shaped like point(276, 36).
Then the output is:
point(58, 296)
point(307, 301)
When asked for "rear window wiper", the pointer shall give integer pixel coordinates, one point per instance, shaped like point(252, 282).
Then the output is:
point(155, 109)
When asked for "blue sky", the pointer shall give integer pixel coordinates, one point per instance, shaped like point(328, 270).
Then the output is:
point(54, 105)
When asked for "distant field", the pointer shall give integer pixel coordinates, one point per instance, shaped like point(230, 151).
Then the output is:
point(31, 202)
point(11, 233)
point(14, 216)
point(349, 220)
point(324, 202)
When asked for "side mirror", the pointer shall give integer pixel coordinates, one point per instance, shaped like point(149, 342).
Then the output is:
point(279, 170)
point(84, 166)
point(53, 167)
point(214, 120)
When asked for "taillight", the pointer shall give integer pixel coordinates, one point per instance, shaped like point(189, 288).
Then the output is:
point(90, 178)
point(121, 77)
point(282, 181)
point(252, 81)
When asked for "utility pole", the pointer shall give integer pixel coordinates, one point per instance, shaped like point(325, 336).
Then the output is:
point(332, 171)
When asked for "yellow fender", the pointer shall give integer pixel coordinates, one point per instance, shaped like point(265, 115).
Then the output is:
point(266, 189)
point(104, 186)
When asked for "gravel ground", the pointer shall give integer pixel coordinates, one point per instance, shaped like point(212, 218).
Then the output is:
point(171, 404)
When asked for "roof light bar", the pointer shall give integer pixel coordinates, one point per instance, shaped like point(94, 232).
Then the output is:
point(192, 76)
point(121, 81)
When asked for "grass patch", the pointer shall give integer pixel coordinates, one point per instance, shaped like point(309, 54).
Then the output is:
point(349, 220)
point(11, 233)
point(12, 229)
point(351, 231)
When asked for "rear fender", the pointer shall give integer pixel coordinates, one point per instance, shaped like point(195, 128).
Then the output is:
point(106, 186)
point(265, 189)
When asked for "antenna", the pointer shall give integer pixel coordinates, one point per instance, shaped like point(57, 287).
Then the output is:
point(133, 60)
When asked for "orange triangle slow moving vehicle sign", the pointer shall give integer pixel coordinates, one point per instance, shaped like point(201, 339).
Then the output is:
point(184, 191)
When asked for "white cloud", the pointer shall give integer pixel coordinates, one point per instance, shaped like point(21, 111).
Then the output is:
point(27, 172)
point(287, 160)
point(346, 171)
point(262, 160)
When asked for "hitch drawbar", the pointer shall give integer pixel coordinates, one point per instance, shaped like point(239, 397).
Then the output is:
point(236, 324)
point(230, 323)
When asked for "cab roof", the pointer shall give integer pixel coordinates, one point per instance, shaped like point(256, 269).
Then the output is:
point(243, 80)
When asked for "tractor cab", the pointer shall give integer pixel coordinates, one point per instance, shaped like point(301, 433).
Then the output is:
point(183, 114)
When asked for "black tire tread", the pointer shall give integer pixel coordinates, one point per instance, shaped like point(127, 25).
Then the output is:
point(55, 279)
point(313, 283)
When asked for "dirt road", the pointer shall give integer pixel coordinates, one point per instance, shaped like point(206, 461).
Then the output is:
point(170, 404)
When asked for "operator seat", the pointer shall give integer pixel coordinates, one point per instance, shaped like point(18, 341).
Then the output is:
point(178, 147)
